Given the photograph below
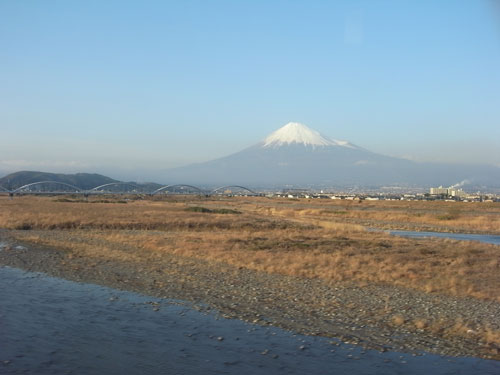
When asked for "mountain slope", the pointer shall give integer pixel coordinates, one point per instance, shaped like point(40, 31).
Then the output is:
point(81, 180)
point(296, 133)
point(298, 155)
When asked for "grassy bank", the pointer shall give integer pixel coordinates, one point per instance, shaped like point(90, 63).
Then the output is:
point(267, 235)
point(307, 239)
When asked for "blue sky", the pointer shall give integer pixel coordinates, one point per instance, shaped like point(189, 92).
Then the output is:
point(130, 87)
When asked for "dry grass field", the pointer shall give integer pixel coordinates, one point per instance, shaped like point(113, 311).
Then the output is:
point(319, 239)
point(309, 239)
point(441, 216)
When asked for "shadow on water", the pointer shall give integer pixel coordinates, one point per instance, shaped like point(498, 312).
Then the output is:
point(55, 326)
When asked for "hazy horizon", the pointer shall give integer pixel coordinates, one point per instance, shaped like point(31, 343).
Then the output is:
point(128, 89)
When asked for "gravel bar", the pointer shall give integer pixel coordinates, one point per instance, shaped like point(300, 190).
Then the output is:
point(354, 314)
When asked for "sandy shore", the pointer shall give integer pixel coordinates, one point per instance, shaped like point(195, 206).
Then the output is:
point(359, 315)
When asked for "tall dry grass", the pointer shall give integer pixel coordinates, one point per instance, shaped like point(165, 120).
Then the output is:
point(270, 239)
point(439, 216)
point(300, 239)
point(296, 239)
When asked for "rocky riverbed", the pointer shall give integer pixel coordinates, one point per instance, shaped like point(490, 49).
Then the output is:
point(54, 326)
point(372, 316)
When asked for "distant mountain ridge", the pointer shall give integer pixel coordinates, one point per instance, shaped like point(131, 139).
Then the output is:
point(80, 180)
point(84, 181)
point(294, 155)
point(298, 155)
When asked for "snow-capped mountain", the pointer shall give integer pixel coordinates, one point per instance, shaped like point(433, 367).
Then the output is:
point(294, 132)
point(298, 155)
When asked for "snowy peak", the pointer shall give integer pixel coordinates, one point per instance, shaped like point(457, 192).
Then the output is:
point(294, 132)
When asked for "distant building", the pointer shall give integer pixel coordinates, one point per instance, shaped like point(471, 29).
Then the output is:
point(449, 192)
point(439, 190)
point(457, 193)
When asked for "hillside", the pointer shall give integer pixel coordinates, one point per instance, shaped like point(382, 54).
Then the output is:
point(81, 180)
point(298, 155)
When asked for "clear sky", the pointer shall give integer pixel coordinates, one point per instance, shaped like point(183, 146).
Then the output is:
point(130, 87)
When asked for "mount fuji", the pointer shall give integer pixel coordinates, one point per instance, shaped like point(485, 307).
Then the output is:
point(298, 155)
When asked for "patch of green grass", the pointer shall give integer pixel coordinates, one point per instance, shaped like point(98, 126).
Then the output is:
point(452, 214)
point(198, 209)
point(24, 226)
point(121, 201)
point(334, 212)
point(226, 211)
point(212, 211)
point(68, 200)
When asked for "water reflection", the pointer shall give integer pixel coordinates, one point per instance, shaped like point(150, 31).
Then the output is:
point(54, 326)
point(486, 238)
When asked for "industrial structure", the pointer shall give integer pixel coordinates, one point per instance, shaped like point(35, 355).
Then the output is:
point(448, 192)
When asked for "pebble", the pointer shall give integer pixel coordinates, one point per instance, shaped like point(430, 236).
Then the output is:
point(304, 306)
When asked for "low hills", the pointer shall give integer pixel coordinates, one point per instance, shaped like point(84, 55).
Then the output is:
point(84, 181)
point(80, 180)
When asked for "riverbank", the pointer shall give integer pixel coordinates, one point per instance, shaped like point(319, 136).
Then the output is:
point(54, 326)
point(276, 236)
point(386, 318)
point(297, 265)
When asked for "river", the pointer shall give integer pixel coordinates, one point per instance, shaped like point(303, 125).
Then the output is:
point(486, 238)
point(54, 326)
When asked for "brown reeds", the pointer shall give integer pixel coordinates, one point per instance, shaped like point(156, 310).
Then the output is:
point(310, 239)
point(266, 236)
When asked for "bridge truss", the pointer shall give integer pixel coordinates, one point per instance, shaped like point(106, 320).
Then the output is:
point(60, 188)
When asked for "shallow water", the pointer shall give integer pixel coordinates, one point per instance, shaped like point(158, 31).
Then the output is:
point(487, 238)
point(55, 326)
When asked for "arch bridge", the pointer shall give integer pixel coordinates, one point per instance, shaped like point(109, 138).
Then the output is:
point(163, 188)
point(27, 186)
point(97, 188)
point(215, 191)
point(68, 188)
